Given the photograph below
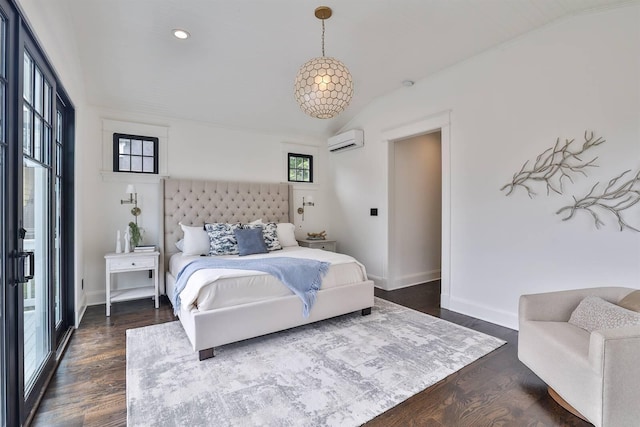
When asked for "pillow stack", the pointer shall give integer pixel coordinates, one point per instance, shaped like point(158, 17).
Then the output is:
point(236, 238)
point(631, 301)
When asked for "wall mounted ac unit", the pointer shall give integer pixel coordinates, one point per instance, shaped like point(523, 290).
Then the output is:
point(346, 140)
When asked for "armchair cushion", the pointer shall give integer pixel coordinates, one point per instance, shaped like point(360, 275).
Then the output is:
point(594, 313)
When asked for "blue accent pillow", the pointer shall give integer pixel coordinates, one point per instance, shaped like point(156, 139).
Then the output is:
point(250, 241)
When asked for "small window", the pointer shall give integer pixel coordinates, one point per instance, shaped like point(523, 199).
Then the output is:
point(300, 168)
point(134, 153)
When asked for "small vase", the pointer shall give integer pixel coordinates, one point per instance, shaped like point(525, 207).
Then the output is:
point(118, 243)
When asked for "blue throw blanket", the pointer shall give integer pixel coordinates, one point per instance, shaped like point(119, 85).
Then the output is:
point(302, 276)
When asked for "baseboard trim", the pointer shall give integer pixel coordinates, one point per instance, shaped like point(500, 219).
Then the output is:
point(483, 312)
point(81, 315)
point(96, 297)
point(406, 281)
point(414, 279)
point(378, 282)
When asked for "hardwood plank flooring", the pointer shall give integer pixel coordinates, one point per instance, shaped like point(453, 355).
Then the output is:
point(89, 388)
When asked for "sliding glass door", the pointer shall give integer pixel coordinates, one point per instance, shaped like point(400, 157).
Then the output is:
point(36, 218)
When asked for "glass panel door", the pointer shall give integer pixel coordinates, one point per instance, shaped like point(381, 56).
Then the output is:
point(37, 225)
point(36, 307)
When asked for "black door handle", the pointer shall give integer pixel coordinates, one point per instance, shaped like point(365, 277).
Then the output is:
point(31, 256)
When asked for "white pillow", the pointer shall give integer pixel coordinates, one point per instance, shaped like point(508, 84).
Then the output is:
point(594, 313)
point(286, 234)
point(256, 222)
point(196, 240)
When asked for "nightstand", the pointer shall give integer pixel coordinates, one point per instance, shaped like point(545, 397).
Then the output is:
point(132, 261)
point(327, 245)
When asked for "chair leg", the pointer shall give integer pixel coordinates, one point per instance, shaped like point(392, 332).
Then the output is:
point(366, 311)
point(206, 354)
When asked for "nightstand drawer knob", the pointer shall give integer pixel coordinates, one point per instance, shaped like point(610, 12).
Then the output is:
point(133, 263)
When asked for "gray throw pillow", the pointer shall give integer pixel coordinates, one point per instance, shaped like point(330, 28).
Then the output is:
point(594, 313)
point(250, 241)
point(631, 301)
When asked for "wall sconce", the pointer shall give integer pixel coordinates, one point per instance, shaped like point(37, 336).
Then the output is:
point(307, 202)
point(132, 200)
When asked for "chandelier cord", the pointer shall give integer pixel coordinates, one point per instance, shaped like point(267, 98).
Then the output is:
point(322, 37)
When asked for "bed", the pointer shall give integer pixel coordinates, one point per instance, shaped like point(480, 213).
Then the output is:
point(223, 312)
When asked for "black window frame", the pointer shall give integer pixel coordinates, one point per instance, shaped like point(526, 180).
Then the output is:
point(116, 152)
point(304, 156)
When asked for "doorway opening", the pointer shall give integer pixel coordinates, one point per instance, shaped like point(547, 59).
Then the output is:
point(411, 257)
point(417, 205)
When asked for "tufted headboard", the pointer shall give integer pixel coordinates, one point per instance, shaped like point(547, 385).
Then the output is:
point(195, 202)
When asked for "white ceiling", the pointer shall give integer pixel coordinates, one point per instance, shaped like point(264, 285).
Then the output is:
point(238, 67)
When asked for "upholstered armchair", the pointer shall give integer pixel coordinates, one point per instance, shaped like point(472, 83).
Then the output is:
point(596, 375)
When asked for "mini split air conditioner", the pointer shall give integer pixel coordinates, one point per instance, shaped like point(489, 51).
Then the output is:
point(346, 141)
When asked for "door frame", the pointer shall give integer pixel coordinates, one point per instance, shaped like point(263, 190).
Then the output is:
point(439, 121)
point(67, 262)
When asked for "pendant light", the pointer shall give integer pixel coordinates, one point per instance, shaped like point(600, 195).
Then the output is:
point(323, 86)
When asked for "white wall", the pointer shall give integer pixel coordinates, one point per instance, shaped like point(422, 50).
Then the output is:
point(415, 257)
point(508, 105)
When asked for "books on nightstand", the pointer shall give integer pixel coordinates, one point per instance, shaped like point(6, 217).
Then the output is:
point(145, 248)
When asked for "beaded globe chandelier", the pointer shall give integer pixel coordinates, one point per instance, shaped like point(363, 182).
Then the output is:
point(323, 86)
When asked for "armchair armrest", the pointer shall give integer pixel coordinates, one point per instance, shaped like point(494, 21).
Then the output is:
point(558, 306)
point(611, 347)
point(613, 354)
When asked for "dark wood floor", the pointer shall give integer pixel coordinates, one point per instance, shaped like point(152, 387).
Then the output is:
point(89, 387)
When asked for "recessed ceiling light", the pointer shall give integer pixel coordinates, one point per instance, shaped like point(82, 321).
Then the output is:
point(181, 34)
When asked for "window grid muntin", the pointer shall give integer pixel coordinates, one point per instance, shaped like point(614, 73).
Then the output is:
point(300, 167)
point(130, 150)
point(36, 127)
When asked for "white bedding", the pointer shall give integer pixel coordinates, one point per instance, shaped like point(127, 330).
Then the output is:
point(216, 288)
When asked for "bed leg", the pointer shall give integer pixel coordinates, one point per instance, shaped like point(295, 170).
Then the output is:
point(206, 354)
point(366, 311)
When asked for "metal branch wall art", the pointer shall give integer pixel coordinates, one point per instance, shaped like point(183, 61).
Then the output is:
point(553, 165)
point(616, 197)
point(564, 161)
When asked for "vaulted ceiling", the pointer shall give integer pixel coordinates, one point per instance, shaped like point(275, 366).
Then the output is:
point(238, 67)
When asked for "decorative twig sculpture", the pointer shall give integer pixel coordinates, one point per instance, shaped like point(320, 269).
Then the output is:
point(615, 198)
point(553, 165)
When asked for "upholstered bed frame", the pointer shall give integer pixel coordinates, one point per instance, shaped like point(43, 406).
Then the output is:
point(195, 202)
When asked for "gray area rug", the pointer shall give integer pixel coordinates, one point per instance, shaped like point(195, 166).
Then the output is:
point(339, 372)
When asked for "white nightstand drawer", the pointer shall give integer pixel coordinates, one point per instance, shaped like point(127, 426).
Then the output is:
point(130, 263)
point(327, 245)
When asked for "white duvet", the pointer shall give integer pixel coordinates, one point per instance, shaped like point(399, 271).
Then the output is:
point(210, 289)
